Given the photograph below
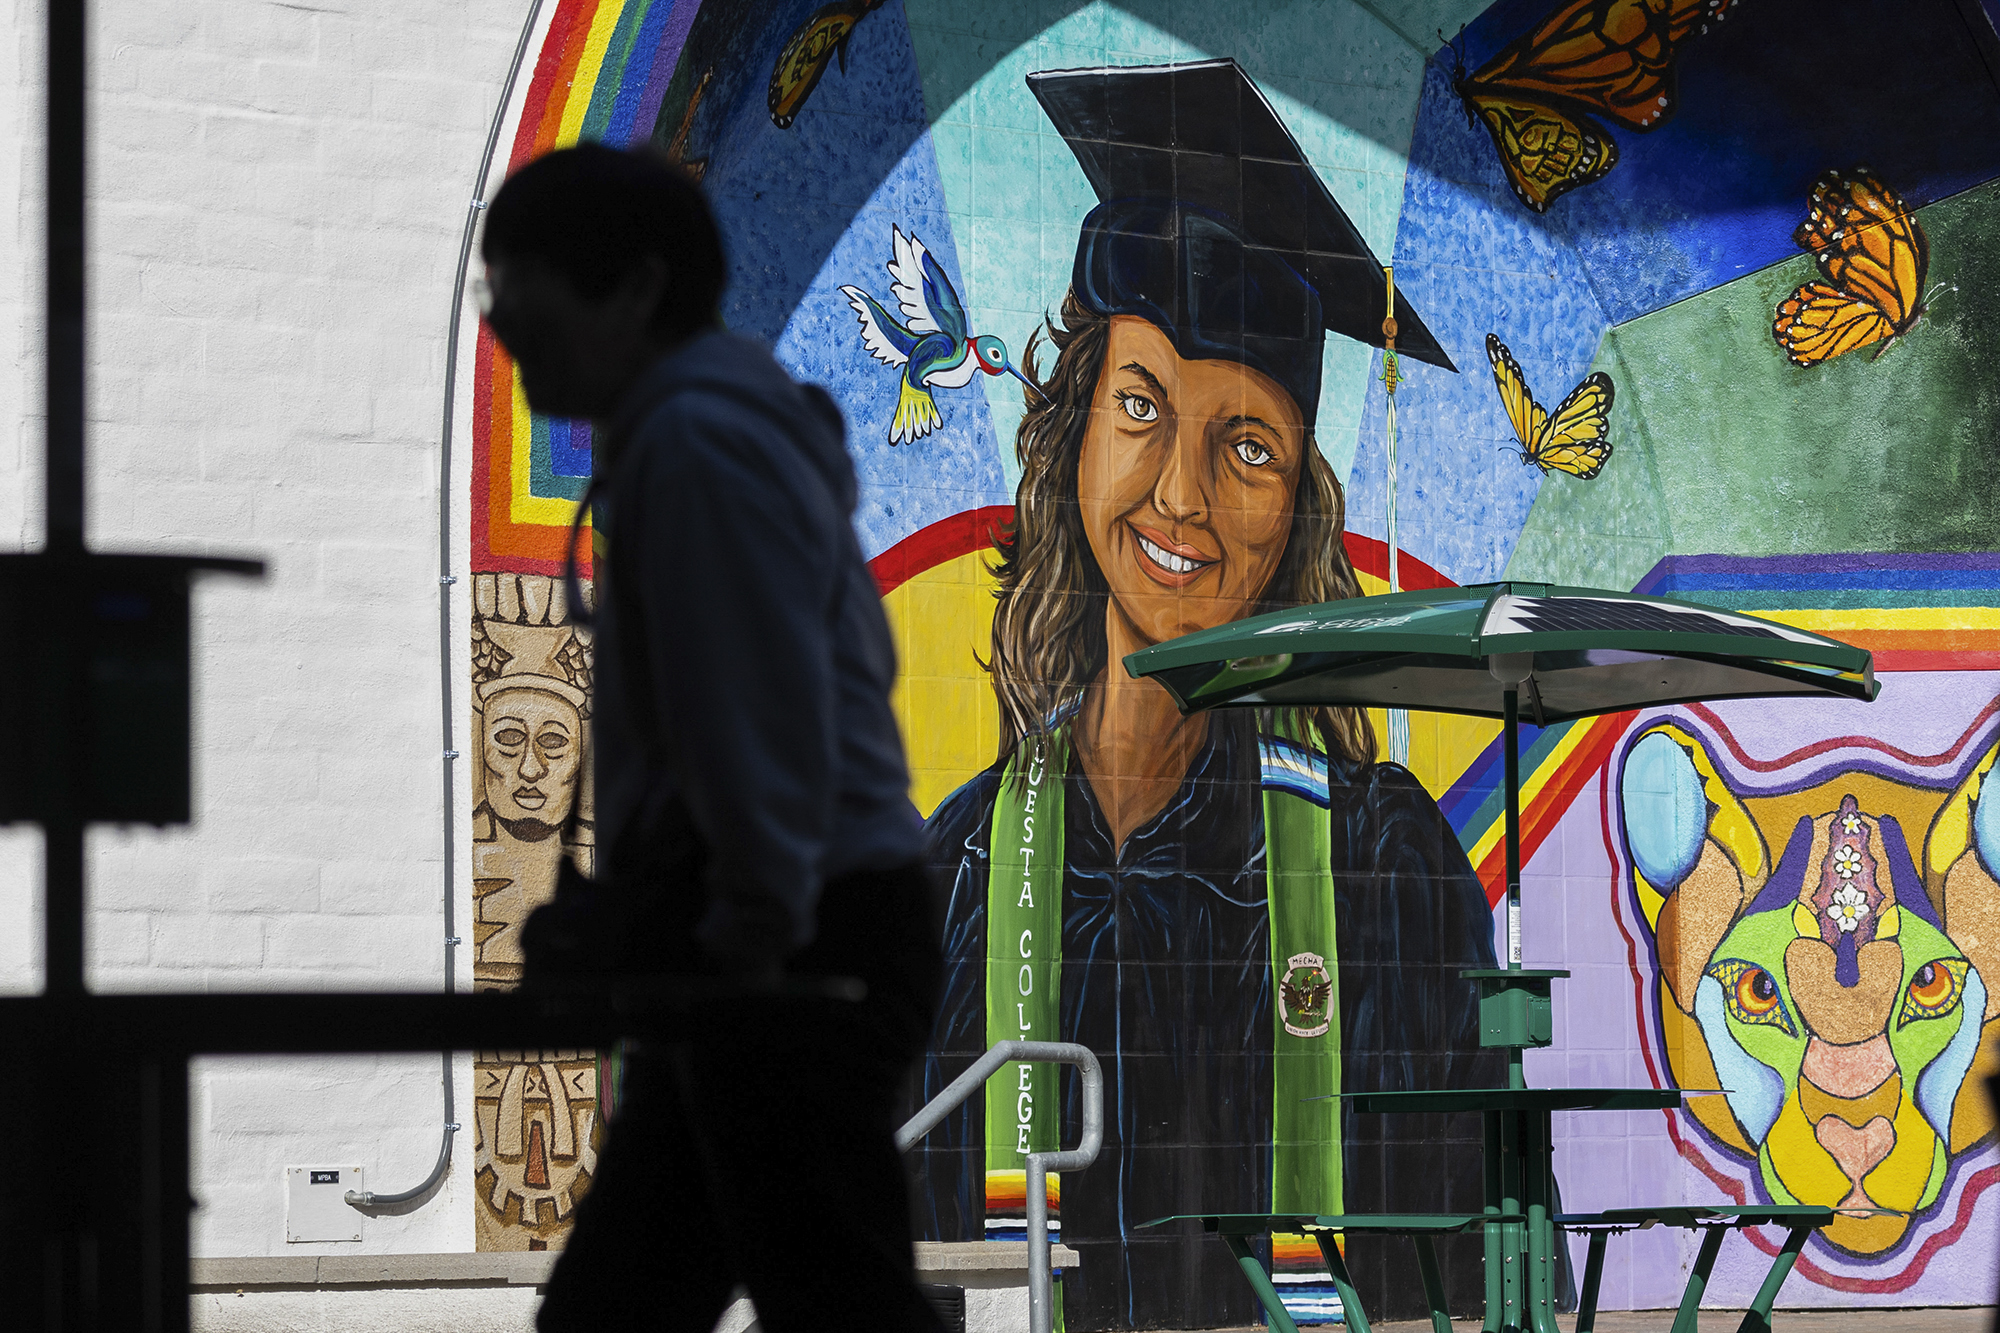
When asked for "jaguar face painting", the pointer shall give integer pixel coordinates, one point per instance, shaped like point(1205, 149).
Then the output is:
point(1827, 957)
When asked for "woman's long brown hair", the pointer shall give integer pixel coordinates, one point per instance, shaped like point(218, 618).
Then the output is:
point(1048, 629)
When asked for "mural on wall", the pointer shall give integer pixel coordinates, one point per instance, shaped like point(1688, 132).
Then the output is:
point(1169, 483)
point(804, 59)
point(1575, 437)
point(1171, 222)
point(1872, 258)
point(930, 345)
point(1822, 932)
point(1608, 58)
point(535, 1113)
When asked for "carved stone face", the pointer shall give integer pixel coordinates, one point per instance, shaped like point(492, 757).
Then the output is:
point(532, 746)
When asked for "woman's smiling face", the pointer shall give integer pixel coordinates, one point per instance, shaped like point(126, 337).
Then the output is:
point(1185, 483)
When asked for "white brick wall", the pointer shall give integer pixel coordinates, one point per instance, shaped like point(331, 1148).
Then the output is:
point(277, 194)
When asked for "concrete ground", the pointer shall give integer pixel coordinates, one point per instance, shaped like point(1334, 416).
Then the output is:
point(1973, 1319)
point(1933, 1319)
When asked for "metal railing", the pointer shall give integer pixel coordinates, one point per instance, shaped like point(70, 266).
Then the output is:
point(1041, 1280)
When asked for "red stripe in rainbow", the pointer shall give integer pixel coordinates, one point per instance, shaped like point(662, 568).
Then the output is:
point(513, 530)
point(1546, 795)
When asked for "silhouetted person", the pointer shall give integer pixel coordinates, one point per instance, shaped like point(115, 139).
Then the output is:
point(752, 807)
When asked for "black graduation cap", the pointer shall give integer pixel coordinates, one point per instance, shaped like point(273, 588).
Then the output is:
point(1213, 226)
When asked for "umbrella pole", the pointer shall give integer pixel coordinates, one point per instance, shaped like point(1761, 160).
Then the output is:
point(1511, 739)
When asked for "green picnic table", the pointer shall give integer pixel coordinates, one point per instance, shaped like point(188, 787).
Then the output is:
point(1237, 1230)
point(1486, 651)
point(1519, 1220)
point(1520, 1182)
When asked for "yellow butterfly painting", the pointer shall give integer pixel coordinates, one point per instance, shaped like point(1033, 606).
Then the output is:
point(1573, 440)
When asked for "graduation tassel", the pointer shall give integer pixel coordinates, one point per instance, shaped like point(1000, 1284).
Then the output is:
point(1399, 718)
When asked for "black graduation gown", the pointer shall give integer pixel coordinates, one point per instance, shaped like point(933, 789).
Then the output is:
point(1166, 975)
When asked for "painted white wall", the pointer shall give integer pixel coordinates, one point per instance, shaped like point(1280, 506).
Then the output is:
point(277, 192)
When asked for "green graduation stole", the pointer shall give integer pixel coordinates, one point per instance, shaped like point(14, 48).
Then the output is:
point(1024, 897)
point(1024, 971)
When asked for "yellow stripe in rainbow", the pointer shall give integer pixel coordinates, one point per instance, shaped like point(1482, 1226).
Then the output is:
point(591, 64)
point(1535, 782)
point(1007, 1191)
point(1909, 638)
point(1292, 1253)
point(523, 505)
point(602, 69)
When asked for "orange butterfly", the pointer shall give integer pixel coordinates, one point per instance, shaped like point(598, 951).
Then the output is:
point(1872, 255)
point(1610, 58)
point(821, 37)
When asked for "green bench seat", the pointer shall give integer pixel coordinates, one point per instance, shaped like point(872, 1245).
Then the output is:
point(1236, 1230)
point(1800, 1221)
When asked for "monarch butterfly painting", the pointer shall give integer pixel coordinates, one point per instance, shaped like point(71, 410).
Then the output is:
point(807, 51)
point(1573, 440)
point(1872, 257)
point(1609, 58)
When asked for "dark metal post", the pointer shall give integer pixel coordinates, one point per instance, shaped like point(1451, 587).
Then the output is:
point(62, 950)
point(1511, 743)
point(65, 276)
point(1511, 740)
point(1491, 1232)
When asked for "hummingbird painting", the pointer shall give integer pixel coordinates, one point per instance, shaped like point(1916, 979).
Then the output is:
point(930, 344)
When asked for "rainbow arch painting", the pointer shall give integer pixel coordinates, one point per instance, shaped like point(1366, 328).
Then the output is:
point(925, 128)
point(601, 74)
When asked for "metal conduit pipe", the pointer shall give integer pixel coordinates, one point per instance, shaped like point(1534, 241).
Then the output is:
point(446, 580)
point(1041, 1280)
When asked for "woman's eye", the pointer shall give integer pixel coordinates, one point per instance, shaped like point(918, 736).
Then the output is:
point(1138, 408)
point(1253, 453)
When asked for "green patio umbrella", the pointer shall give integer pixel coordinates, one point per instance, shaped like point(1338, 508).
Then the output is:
point(1496, 649)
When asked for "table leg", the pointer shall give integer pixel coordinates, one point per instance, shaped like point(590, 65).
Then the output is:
point(1513, 1247)
point(1350, 1300)
point(1538, 1189)
point(1427, 1264)
point(1704, 1262)
point(1491, 1231)
point(1593, 1273)
point(1758, 1318)
point(1267, 1295)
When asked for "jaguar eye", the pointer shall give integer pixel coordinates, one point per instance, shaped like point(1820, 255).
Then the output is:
point(1935, 990)
point(1752, 995)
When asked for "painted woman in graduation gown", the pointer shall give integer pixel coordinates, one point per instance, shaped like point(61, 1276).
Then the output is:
point(1237, 911)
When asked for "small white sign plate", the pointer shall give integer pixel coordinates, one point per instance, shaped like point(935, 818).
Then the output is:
point(316, 1206)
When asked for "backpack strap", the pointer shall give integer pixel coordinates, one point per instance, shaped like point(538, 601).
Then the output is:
point(633, 661)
